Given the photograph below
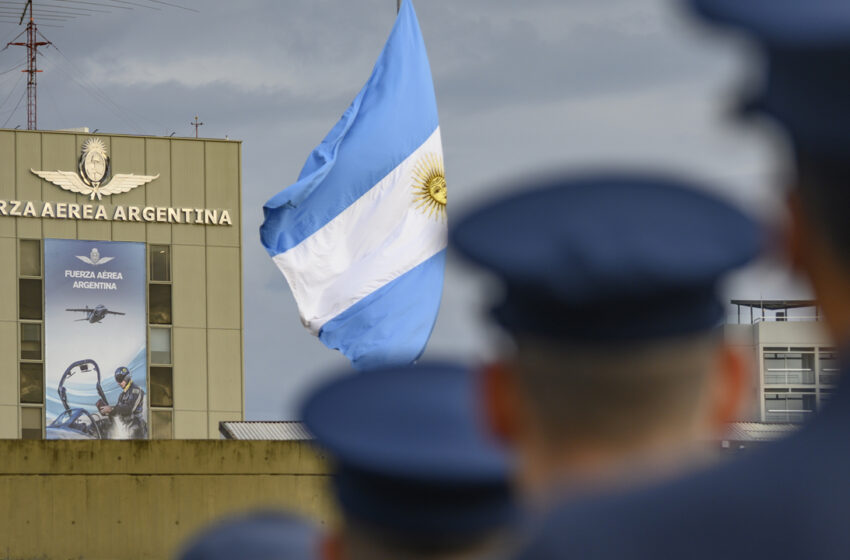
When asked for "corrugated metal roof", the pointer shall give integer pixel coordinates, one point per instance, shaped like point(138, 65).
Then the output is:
point(295, 431)
point(756, 431)
point(260, 430)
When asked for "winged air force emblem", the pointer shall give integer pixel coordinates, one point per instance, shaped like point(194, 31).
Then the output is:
point(93, 170)
point(94, 258)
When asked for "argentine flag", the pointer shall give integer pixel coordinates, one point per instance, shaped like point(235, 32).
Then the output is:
point(361, 236)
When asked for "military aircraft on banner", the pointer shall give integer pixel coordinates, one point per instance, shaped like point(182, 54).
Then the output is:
point(96, 314)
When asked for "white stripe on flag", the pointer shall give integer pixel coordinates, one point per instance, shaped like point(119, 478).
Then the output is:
point(369, 244)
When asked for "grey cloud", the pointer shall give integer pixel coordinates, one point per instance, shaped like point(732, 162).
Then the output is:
point(522, 87)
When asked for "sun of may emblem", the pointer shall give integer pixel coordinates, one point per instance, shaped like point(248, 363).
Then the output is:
point(429, 186)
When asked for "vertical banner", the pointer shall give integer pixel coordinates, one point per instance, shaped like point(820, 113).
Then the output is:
point(95, 325)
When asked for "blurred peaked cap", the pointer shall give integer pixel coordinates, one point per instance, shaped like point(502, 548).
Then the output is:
point(807, 47)
point(257, 536)
point(609, 257)
point(411, 450)
point(807, 91)
point(788, 22)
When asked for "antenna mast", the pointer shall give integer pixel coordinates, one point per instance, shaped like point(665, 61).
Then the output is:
point(196, 124)
point(32, 45)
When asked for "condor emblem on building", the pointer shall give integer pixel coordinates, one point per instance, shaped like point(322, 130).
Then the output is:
point(94, 258)
point(92, 172)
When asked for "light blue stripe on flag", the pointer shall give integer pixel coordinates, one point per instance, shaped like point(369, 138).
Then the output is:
point(361, 236)
point(388, 340)
point(394, 113)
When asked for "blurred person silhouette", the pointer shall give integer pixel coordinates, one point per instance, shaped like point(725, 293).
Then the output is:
point(414, 473)
point(620, 373)
point(791, 499)
point(266, 535)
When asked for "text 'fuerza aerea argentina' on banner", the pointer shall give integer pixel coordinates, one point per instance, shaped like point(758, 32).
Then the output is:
point(74, 211)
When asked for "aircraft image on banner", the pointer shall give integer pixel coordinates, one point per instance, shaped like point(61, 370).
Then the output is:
point(96, 314)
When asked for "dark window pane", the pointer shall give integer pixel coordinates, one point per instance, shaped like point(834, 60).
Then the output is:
point(789, 368)
point(30, 341)
point(32, 383)
point(160, 341)
point(30, 257)
point(161, 424)
point(30, 302)
point(793, 408)
point(160, 263)
point(161, 387)
point(31, 419)
point(829, 369)
point(160, 304)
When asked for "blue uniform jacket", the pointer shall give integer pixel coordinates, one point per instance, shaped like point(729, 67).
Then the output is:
point(131, 402)
point(788, 500)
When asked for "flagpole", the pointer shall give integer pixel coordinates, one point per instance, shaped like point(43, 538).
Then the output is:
point(397, 6)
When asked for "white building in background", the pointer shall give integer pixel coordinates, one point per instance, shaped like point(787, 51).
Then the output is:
point(796, 364)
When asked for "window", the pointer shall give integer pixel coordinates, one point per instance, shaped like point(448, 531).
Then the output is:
point(162, 424)
point(31, 422)
point(159, 303)
point(160, 263)
point(828, 370)
point(161, 387)
point(160, 346)
point(160, 378)
point(32, 383)
point(30, 257)
point(790, 368)
point(30, 341)
point(789, 407)
point(30, 298)
point(30, 313)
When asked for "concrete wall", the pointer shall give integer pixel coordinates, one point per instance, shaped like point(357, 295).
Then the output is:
point(207, 350)
point(791, 333)
point(742, 338)
point(142, 499)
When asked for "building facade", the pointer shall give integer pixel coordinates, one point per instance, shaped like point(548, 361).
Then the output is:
point(177, 203)
point(795, 363)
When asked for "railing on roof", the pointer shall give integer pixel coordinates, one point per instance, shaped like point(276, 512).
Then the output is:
point(781, 311)
point(786, 319)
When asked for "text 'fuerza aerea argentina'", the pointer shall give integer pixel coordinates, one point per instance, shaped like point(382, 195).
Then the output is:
point(91, 280)
point(74, 211)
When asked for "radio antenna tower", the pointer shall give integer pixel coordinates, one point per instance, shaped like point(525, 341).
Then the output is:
point(196, 124)
point(32, 45)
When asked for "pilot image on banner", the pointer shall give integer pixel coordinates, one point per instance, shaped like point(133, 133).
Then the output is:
point(129, 410)
point(95, 340)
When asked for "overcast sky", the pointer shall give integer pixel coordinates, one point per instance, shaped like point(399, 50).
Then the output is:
point(522, 86)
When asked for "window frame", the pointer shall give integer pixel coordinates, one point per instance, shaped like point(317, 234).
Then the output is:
point(22, 406)
point(163, 326)
point(42, 420)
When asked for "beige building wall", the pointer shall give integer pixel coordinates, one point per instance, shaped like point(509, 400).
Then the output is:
point(753, 340)
point(791, 333)
point(139, 500)
point(206, 260)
